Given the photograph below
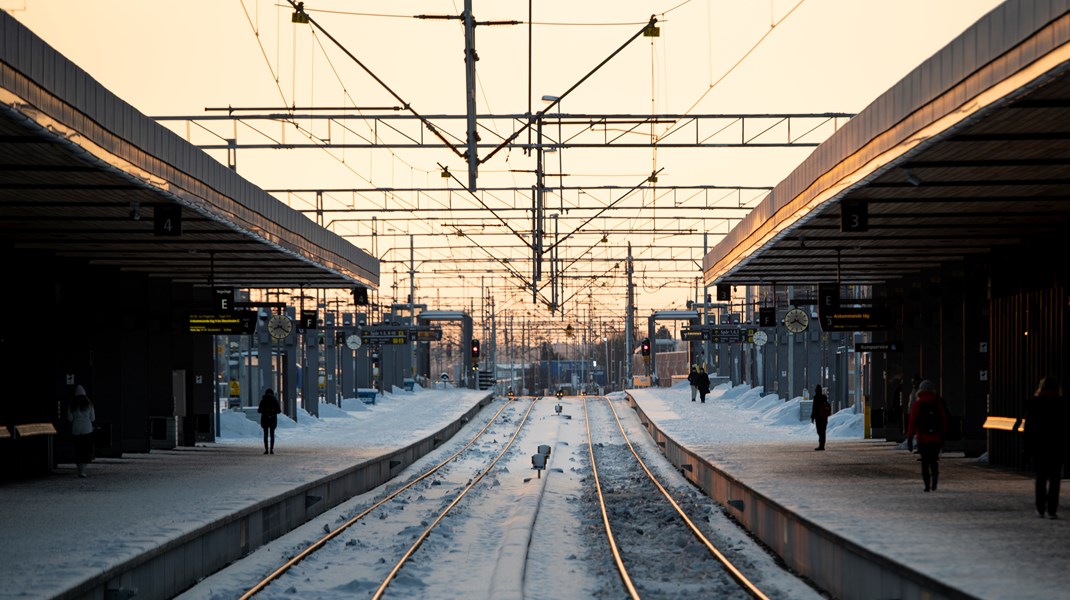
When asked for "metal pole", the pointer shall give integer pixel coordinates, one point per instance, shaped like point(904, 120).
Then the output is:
point(553, 269)
point(412, 299)
point(470, 89)
point(706, 310)
point(629, 325)
point(605, 340)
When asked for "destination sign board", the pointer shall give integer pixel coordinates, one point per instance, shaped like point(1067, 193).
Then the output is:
point(384, 335)
point(727, 335)
point(694, 335)
point(429, 334)
point(242, 322)
point(871, 318)
point(879, 347)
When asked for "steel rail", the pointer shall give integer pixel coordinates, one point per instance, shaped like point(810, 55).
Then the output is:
point(625, 578)
point(320, 543)
point(471, 484)
point(701, 537)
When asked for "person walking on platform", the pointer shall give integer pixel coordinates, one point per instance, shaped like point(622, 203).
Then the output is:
point(928, 420)
point(819, 415)
point(703, 383)
point(269, 410)
point(1046, 442)
point(81, 417)
point(692, 379)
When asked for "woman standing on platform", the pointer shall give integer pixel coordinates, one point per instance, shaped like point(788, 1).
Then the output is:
point(819, 415)
point(269, 410)
point(81, 417)
point(1046, 443)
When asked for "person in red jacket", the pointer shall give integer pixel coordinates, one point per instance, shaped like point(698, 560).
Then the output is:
point(928, 420)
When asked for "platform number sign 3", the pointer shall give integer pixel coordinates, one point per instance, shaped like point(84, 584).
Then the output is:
point(167, 220)
point(854, 215)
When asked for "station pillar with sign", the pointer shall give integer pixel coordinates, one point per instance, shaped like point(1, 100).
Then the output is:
point(291, 345)
point(310, 391)
point(330, 348)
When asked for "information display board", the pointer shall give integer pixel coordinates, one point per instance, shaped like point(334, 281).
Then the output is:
point(727, 335)
point(241, 322)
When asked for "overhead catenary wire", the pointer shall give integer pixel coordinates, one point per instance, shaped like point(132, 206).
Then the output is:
point(738, 62)
point(434, 130)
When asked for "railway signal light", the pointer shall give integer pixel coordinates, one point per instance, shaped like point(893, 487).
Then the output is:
point(645, 347)
point(475, 348)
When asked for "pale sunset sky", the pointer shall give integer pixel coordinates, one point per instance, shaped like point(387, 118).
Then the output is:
point(711, 57)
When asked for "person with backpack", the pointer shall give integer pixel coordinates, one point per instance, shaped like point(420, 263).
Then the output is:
point(819, 415)
point(928, 420)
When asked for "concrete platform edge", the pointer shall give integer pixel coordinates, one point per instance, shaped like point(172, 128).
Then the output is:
point(838, 566)
point(178, 564)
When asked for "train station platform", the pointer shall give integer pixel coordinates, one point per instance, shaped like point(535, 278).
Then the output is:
point(854, 518)
point(148, 525)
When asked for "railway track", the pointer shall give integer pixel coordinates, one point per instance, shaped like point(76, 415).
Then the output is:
point(624, 484)
point(436, 491)
point(474, 520)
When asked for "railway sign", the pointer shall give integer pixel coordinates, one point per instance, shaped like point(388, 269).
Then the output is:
point(384, 334)
point(242, 322)
point(694, 334)
point(425, 334)
point(871, 318)
point(879, 347)
point(726, 335)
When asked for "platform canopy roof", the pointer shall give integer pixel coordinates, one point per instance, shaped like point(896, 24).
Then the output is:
point(967, 156)
point(85, 176)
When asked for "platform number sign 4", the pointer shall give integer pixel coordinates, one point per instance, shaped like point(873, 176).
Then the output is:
point(167, 220)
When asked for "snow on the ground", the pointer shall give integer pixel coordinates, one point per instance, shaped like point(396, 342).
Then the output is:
point(738, 413)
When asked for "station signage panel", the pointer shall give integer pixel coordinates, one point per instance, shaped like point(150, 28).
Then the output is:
point(242, 322)
point(425, 334)
point(879, 347)
point(694, 335)
point(727, 335)
point(224, 298)
point(384, 335)
point(870, 318)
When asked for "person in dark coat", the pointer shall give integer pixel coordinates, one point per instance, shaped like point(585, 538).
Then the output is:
point(1046, 442)
point(819, 415)
point(269, 410)
point(693, 379)
point(703, 383)
point(930, 439)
